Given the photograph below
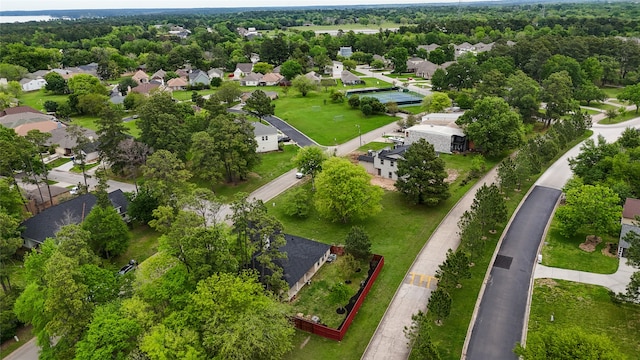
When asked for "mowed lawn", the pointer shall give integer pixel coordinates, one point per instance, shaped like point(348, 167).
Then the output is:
point(36, 99)
point(325, 122)
point(271, 166)
point(588, 307)
point(398, 233)
point(563, 252)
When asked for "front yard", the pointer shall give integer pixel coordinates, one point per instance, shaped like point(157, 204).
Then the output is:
point(562, 252)
point(588, 307)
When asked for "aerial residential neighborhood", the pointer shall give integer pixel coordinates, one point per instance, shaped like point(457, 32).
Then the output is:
point(424, 181)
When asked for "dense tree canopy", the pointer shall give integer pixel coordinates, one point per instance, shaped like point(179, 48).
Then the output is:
point(421, 174)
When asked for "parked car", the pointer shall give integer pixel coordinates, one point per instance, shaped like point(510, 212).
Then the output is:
point(74, 190)
point(284, 139)
point(299, 175)
point(129, 267)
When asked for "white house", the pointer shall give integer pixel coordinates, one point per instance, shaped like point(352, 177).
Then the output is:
point(242, 70)
point(445, 139)
point(251, 79)
point(33, 84)
point(266, 137)
point(383, 163)
point(335, 69)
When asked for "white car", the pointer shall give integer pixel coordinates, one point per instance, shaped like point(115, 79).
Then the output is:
point(299, 175)
point(74, 190)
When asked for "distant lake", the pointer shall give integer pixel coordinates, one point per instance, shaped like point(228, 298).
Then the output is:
point(14, 19)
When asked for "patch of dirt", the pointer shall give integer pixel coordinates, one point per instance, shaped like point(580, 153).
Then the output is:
point(547, 282)
point(384, 183)
point(589, 245)
point(452, 175)
point(610, 250)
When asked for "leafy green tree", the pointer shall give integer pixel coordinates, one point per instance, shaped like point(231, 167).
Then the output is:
point(309, 162)
point(377, 64)
point(558, 94)
point(109, 233)
point(12, 72)
point(591, 164)
point(229, 92)
point(358, 244)
point(398, 57)
point(10, 242)
point(631, 94)
point(557, 63)
point(439, 80)
point(440, 304)
point(290, 69)
point(238, 320)
point(215, 82)
point(125, 84)
point(50, 106)
point(111, 335)
point(86, 84)
point(436, 102)
point(344, 192)
point(303, 84)
point(259, 104)
point(338, 294)
point(592, 69)
point(421, 174)
point(524, 94)
point(262, 67)
point(38, 139)
point(493, 126)
point(588, 92)
point(11, 199)
point(166, 175)
point(592, 208)
point(349, 64)
point(297, 203)
point(566, 344)
point(629, 139)
point(56, 83)
point(133, 100)
point(507, 175)
point(162, 124)
point(492, 83)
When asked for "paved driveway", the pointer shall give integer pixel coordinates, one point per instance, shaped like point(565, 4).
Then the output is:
point(500, 319)
point(301, 139)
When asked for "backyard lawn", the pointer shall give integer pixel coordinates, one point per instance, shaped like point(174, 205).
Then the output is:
point(36, 99)
point(563, 252)
point(588, 307)
point(405, 231)
point(186, 94)
point(143, 244)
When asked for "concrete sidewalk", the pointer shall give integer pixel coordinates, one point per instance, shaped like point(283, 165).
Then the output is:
point(616, 282)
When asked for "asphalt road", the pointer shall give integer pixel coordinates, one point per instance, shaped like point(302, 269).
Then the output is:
point(500, 321)
point(301, 139)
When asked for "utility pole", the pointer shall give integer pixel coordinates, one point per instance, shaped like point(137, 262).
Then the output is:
point(359, 133)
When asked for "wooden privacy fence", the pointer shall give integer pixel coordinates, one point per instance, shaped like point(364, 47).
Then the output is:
point(376, 264)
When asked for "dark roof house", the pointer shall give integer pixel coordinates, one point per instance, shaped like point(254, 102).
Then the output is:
point(45, 224)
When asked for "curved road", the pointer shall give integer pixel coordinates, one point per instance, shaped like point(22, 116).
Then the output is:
point(501, 316)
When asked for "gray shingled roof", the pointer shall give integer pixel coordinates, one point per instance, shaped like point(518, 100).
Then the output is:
point(260, 129)
point(626, 228)
point(47, 223)
point(302, 254)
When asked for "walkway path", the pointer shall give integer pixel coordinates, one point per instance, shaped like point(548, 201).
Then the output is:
point(389, 342)
point(616, 282)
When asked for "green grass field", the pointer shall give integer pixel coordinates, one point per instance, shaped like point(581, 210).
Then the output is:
point(143, 244)
point(588, 307)
point(618, 119)
point(374, 145)
point(325, 122)
point(186, 94)
point(398, 241)
point(36, 99)
point(271, 166)
point(564, 253)
point(612, 92)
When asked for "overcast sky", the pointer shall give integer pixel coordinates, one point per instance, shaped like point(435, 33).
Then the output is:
point(140, 4)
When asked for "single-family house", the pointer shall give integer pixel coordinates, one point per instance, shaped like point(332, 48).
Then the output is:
point(482, 47)
point(266, 137)
point(25, 118)
point(65, 73)
point(384, 60)
point(198, 77)
point(146, 88)
point(38, 199)
point(464, 48)
point(425, 69)
point(251, 79)
point(270, 79)
point(445, 139)
point(242, 70)
point(630, 223)
point(276, 70)
point(215, 73)
point(159, 75)
point(383, 163)
point(445, 119)
point(182, 73)
point(348, 78)
point(180, 32)
point(67, 143)
point(254, 58)
point(32, 84)
point(47, 223)
point(178, 83)
point(345, 51)
point(335, 69)
point(313, 77)
point(304, 258)
point(412, 63)
point(140, 77)
point(429, 47)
